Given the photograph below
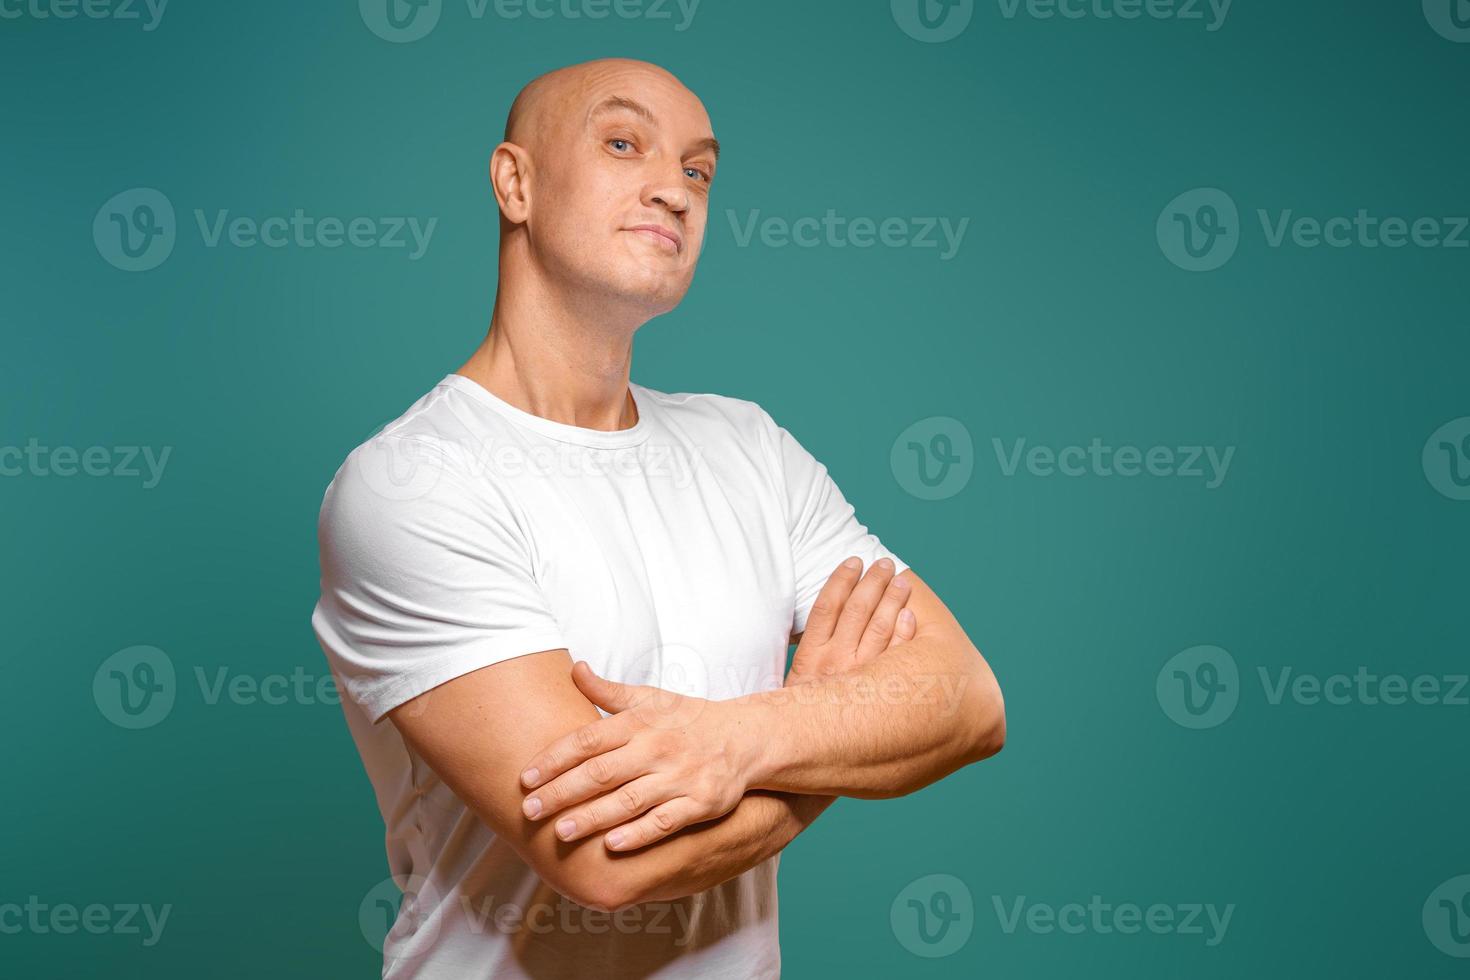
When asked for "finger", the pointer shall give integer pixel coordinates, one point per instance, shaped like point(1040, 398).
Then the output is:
point(884, 620)
point(608, 695)
point(823, 617)
point(575, 748)
point(655, 825)
point(617, 807)
point(598, 774)
point(860, 605)
point(905, 629)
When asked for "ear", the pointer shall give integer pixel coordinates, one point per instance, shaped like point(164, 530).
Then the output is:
point(509, 178)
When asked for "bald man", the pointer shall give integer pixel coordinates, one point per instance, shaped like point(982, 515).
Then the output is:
point(559, 603)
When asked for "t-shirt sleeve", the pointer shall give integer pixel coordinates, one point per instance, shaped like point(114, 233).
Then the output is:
point(422, 581)
point(822, 525)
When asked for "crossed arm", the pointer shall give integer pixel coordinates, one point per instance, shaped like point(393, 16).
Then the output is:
point(875, 707)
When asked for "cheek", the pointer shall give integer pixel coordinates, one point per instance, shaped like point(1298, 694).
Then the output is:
point(589, 202)
point(695, 223)
point(600, 198)
point(579, 222)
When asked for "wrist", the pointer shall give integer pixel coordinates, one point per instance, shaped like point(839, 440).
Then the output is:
point(750, 737)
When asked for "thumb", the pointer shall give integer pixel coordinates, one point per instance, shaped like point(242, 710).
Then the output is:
point(606, 694)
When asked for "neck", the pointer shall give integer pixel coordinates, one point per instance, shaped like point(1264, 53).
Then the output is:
point(559, 356)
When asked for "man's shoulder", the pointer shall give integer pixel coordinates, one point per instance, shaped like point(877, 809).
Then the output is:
point(444, 425)
point(419, 462)
point(742, 414)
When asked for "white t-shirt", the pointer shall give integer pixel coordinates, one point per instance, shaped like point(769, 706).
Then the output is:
point(681, 552)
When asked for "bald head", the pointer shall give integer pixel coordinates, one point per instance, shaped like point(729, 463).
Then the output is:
point(558, 97)
point(603, 180)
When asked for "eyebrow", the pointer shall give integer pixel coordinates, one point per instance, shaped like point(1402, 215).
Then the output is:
point(614, 102)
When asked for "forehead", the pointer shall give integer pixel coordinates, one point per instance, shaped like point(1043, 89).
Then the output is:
point(632, 90)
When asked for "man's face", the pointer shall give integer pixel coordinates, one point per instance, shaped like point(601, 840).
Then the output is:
point(620, 186)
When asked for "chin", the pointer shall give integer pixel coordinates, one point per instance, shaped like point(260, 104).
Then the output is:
point(659, 303)
point(653, 290)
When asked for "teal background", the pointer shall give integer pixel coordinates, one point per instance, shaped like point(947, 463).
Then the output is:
point(1060, 319)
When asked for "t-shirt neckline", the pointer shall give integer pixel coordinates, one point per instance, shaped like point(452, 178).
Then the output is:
point(560, 431)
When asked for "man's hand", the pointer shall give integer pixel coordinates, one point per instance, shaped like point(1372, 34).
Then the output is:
point(663, 761)
point(681, 759)
point(853, 621)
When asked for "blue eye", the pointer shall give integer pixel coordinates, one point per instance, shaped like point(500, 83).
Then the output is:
point(614, 143)
point(697, 174)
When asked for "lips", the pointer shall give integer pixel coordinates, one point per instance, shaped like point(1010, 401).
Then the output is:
point(664, 237)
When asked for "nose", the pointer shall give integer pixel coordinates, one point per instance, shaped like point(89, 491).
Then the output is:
point(671, 194)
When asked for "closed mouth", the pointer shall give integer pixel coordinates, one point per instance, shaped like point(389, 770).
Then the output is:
point(661, 234)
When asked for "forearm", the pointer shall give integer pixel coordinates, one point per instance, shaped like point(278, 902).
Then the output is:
point(894, 725)
point(706, 854)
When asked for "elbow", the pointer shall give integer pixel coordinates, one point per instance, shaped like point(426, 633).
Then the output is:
point(977, 732)
point(604, 885)
point(601, 897)
point(986, 712)
point(994, 737)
